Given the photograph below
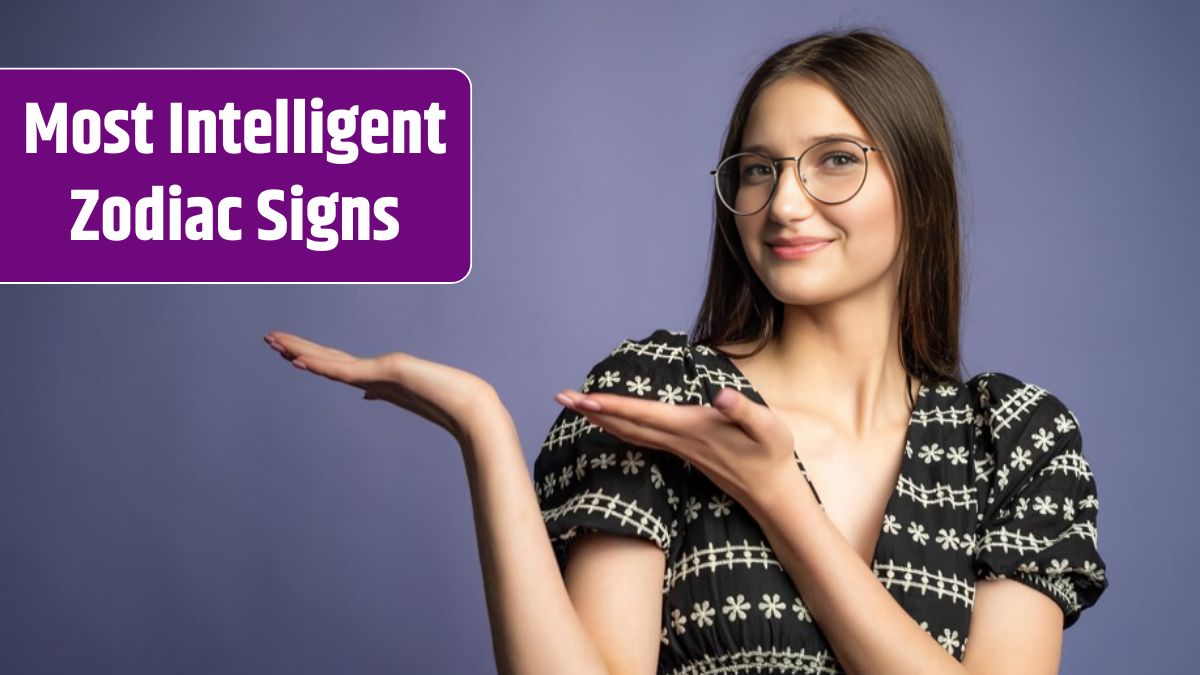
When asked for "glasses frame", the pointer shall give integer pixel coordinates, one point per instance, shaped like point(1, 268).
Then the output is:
point(774, 162)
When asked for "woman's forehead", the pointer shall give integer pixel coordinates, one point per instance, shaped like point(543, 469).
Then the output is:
point(797, 112)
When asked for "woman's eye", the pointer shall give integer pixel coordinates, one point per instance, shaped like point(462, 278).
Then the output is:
point(838, 160)
point(756, 171)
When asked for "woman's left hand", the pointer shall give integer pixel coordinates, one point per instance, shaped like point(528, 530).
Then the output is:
point(742, 446)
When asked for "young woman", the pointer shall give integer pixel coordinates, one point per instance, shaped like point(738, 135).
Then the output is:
point(806, 483)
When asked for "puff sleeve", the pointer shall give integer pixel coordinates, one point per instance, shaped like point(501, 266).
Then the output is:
point(1038, 521)
point(589, 480)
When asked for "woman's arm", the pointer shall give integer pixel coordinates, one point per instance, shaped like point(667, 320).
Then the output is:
point(868, 630)
point(535, 626)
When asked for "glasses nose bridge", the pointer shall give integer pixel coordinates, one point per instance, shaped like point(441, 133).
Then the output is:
point(778, 161)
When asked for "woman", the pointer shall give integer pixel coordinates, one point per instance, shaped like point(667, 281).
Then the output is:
point(761, 494)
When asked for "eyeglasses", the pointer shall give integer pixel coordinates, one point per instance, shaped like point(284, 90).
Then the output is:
point(831, 172)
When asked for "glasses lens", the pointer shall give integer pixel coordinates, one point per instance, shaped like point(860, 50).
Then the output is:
point(745, 182)
point(834, 171)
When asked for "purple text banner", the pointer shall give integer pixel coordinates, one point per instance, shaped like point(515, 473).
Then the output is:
point(235, 175)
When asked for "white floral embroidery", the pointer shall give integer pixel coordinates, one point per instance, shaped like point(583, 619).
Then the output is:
point(946, 390)
point(670, 394)
point(890, 524)
point(720, 505)
point(677, 621)
point(968, 543)
point(949, 640)
point(702, 614)
point(638, 385)
point(692, 510)
point(632, 462)
point(1064, 424)
point(1002, 477)
point(948, 539)
point(957, 455)
point(918, 533)
point(656, 478)
point(1021, 459)
point(771, 606)
point(1022, 504)
point(801, 610)
point(1043, 440)
point(604, 460)
point(931, 453)
point(609, 378)
point(1045, 505)
point(736, 608)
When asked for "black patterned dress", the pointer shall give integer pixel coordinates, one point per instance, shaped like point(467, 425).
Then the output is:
point(993, 482)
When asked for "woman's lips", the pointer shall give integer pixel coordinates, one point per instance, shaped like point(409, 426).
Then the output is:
point(798, 251)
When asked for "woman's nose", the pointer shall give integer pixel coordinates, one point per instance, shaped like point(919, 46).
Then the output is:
point(790, 200)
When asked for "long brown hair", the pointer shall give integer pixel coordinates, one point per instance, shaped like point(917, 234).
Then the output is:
point(897, 101)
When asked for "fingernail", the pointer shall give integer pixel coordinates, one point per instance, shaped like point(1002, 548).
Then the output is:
point(724, 399)
point(562, 398)
point(590, 404)
point(299, 364)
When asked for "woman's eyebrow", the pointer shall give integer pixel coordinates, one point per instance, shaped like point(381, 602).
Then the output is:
point(813, 140)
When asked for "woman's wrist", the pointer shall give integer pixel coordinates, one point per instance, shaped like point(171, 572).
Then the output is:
point(486, 421)
point(768, 497)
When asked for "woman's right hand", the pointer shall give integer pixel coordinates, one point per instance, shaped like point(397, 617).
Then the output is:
point(449, 397)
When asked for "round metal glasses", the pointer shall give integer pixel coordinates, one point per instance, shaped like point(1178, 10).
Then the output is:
point(831, 172)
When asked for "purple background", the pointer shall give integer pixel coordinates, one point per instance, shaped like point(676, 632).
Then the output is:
point(175, 498)
point(433, 243)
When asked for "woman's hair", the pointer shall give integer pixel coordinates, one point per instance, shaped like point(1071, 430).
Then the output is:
point(897, 101)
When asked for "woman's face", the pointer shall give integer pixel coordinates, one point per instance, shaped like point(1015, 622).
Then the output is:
point(865, 231)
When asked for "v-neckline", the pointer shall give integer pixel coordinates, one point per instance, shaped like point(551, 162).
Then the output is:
point(891, 505)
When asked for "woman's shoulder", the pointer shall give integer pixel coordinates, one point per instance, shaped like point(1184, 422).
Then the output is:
point(1008, 406)
point(642, 365)
point(664, 340)
point(588, 479)
point(1038, 500)
point(1021, 429)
